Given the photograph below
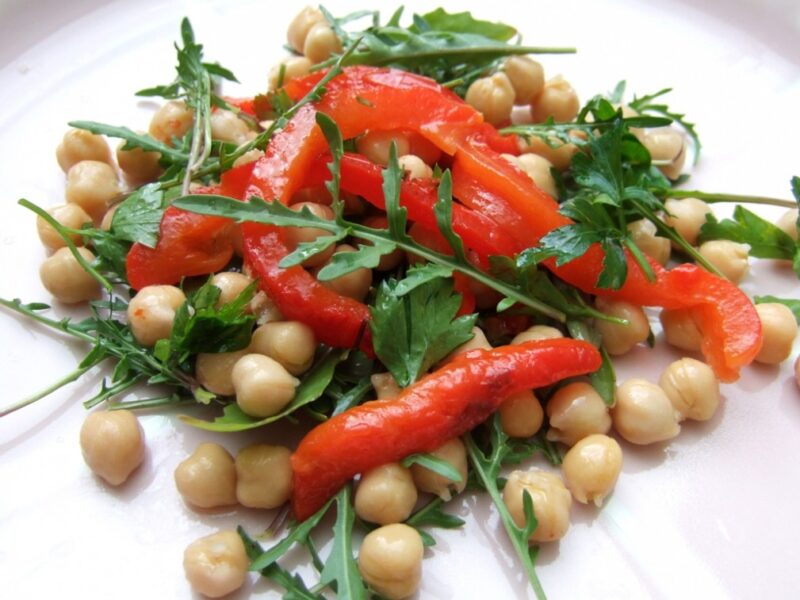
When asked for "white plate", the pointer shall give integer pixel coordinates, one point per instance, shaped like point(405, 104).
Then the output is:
point(711, 515)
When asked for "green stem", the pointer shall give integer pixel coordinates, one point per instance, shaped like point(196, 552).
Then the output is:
point(64, 325)
point(156, 402)
point(640, 258)
point(363, 58)
point(723, 198)
point(69, 378)
point(422, 513)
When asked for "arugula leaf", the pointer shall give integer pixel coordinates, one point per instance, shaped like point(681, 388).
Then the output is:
point(419, 274)
point(435, 464)
point(764, 238)
point(414, 331)
point(646, 104)
point(443, 209)
point(138, 217)
point(463, 22)
point(432, 515)
point(340, 567)
point(604, 380)
point(169, 155)
point(792, 304)
point(366, 256)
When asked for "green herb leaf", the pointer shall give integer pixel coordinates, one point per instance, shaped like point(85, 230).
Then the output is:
point(435, 464)
point(340, 567)
point(464, 22)
point(764, 238)
point(646, 104)
point(792, 304)
point(432, 515)
point(604, 380)
point(412, 332)
point(366, 256)
point(169, 155)
point(138, 217)
point(420, 274)
point(443, 209)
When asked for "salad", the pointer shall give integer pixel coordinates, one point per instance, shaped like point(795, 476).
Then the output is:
point(325, 137)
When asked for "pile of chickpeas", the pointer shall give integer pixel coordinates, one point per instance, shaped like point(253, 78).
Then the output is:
point(263, 377)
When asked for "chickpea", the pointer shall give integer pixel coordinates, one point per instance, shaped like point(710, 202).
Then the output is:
point(551, 503)
point(207, 478)
point(227, 127)
point(686, 216)
point(692, 388)
point(643, 414)
point(108, 219)
point(79, 145)
point(64, 277)
point(788, 223)
point(680, 329)
point(231, 285)
point(375, 145)
point(619, 339)
point(293, 68)
point(354, 284)
point(295, 236)
point(264, 476)
point(576, 411)
point(214, 371)
point(112, 444)
point(390, 560)
point(526, 77)
point(559, 154)
point(478, 342)
point(729, 257)
point(557, 100)
point(538, 169)
point(414, 167)
point(299, 27)
point(779, 328)
point(217, 564)
point(521, 415)
point(385, 386)
point(591, 468)
point(151, 312)
point(493, 96)
point(92, 185)
point(263, 386)
point(453, 452)
point(291, 343)
point(245, 159)
point(643, 233)
point(385, 494)
point(264, 308)
point(68, 215)
point(667, 146)
point(537, 332)
point(321, 42)
point(173, 120)
point(137, 165)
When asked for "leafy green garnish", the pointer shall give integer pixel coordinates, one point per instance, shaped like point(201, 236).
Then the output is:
point(604, 380)
point(435, 464)
point(792, 304)
point(341, 571)
point(138, 217)
point(646, 104)
point(432, 515)
point(169, 154)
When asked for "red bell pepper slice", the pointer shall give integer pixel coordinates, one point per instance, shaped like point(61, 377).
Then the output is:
point(443, 405)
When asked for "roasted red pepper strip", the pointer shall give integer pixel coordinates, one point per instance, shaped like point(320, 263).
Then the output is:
point(439, 407)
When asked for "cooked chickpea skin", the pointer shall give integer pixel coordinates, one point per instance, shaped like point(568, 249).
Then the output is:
point(68, 215)
point(173, 120)
point(390, 560)
point(551, 503)
point(576, 411)
point(493, 96)
point(231, 285)
point(521, 415)
point(264, 476)
point(137, 165)
point(151, 312)
point(643, 233)
point(108, 218)
point(385, 494)
point(264, 308)
point(64, 277)
point(300, 26)
point(478, 342)
point(526, 77)
point(692, 388)
point(680, 329)
point(686, 216)
point(292, 67)
point(227, 127)
point(354, 284)
point(112, 444)
point(414, 167)
point(375, 145)
point(245, 159)
point(537, 332)
point(297, 235)
point(788, 223)
point(557, 100)
point(207, 478)
point(92, 185)
point(78, 145)
point(262, 385)
point(217, 564)
point(729, 257)
point(666, 145)
point(385, 386)
point(643, 414)
point(291, 343)
point(797, 371)
point(321, 41)
point(215, 371)
point(452, 451)
point(538, 169)
point(619, 339)
point(560, 154)
point(779, 328)
point(591, 468)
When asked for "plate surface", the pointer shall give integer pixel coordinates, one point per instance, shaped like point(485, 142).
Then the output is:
point(711, 515)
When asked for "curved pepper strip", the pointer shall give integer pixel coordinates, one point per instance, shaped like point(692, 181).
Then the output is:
point(365, 98)
point(443, 405)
